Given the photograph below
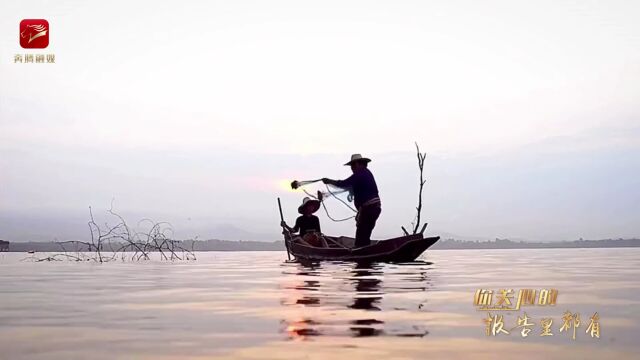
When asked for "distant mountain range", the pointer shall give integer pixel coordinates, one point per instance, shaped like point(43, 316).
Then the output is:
point(452, 244)
point(509, 244)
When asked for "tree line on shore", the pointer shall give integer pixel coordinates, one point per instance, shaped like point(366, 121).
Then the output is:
point(227, 245)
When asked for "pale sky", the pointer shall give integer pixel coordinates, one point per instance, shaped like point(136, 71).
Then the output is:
point(197, 112)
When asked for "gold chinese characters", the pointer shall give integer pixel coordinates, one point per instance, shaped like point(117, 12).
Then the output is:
point(495, 325)
point(506, 300)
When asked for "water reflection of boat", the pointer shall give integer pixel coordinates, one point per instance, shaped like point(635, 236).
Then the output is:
point(325, 302)
point(367, 296)
point(367, 288)
point(301, 329)
point(400, 249)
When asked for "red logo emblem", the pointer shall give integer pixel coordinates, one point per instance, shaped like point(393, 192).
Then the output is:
point(34, 33)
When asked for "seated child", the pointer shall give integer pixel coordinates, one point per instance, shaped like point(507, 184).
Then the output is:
point(308, 225)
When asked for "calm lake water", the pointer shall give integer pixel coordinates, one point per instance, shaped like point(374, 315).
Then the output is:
point(254, 305)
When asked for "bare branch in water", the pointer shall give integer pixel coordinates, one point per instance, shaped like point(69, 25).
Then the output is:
point(421, 157)
point(111, 242)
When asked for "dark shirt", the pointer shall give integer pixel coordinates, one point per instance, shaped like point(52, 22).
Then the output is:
point(307, 224)
point(363, 185)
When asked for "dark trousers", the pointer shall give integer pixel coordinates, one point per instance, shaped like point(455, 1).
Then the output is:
point(365, 222)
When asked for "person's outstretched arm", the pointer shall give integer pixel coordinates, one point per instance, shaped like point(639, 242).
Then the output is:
point(345, 184)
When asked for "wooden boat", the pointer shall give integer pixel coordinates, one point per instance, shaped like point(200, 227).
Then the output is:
point(400, 249)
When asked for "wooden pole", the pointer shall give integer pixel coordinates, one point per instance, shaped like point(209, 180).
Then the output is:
point(286, 240)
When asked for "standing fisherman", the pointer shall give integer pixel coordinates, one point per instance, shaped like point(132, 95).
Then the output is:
point(365, 197)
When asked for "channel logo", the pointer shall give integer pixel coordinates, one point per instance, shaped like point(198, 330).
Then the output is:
point(34, 33)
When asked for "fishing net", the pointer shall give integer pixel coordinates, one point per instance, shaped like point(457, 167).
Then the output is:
point(344, 196)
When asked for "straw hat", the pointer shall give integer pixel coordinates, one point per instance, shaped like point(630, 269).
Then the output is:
point(314, 204)
point(357, 157)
